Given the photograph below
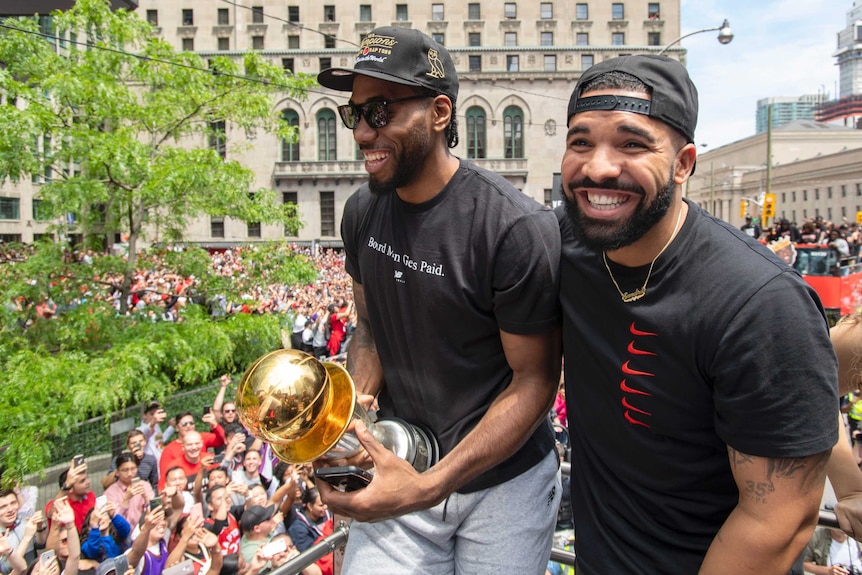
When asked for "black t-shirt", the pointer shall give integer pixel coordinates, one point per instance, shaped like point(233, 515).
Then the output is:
point(441, 279)
point(728, 347)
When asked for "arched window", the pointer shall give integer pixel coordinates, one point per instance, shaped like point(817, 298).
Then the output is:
point(289, 149)
point(476, 132)
point(326, 145)
point(513, 132)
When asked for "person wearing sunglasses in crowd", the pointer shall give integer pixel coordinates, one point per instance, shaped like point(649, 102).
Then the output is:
point(477, 361)
point(173, 453)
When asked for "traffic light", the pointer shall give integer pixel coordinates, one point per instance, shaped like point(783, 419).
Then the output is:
point(743, 208)
point(859, 218)
point(769, 205)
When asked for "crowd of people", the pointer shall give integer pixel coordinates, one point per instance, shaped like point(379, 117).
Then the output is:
point(176, 500)
point(320, 314)
point(845, 238)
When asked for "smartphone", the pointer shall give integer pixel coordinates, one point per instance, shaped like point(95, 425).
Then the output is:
point(219, 458)
point(78, 460)
point(348, 478)
point(155, 502)
point(101, 501)
point(273, 548)
point(46, 558)
point(197, 510)
point(135, 479)
point(208, 409)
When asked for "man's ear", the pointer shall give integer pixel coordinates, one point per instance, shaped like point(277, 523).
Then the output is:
point(442, 108)
point(683, 163)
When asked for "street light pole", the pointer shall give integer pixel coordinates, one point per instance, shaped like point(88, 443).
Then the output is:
point(725, 35)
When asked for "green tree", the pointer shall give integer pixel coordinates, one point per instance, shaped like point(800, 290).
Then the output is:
point(130, 133)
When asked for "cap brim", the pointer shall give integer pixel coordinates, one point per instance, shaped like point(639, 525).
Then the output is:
point(341, 79)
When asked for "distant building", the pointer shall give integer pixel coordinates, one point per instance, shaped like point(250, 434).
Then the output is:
point(786, 110)
point(816, 171)
point(848, 56)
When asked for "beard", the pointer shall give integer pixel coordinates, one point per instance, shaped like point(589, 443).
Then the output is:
point(600, 235)
point(417, 147)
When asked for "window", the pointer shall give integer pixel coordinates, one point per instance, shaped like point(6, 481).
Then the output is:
point(10, 209)
point(618, 11)
point(476, 133)
point(510, 10)
point(793, 195)
point(254, 229)
point(327, 213)
point(40, 214)
point(546, 39)
point(291, 198)
point(365, 12)
point(582, 12)
point(859, 189)
point(816, 193)
point(293, 42)
point(474, 11)
point(618, 39)
point(217, 227)
point(587, 61)
point(325, 63)
point(257, 14)
point(546, 10)
point(293, 13)
point(843, 190)
point(437, 12)
point(223, 17)
point(654, 39)
point(510, 39)
point(550, 63)
point(512, 63)
point(474, 39)
point(287, 64)
point(153, 17)
point(439, 37)
point(829, 193)
point(326, 141)
point(290, 149)
point(329, 41)
point(257, 42)
point(188, 44)
point(329, 13)
point(217, 138)
point(653, 12)
point(188, 17)
point(513, 132)
point(224, 44)
point(582, 39)
point(804, 195)
point(475, 63)
point(401, 12)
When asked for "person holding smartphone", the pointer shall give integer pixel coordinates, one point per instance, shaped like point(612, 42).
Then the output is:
point(75, 486)
point(130, 495)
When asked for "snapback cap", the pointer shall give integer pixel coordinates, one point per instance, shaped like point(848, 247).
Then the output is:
point(400, 55)
point(673, 100)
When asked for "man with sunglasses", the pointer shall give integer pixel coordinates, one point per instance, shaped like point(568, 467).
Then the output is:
point(454, 278)
point(174, 454)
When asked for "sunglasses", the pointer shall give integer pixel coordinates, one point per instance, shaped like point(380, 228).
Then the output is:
point(228, 411)
point(376, 113)
point(187, 423)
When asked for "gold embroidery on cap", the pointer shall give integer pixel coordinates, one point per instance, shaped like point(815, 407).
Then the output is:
point(436, 65)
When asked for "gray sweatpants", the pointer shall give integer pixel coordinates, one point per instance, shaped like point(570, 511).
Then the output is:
point(504, 529)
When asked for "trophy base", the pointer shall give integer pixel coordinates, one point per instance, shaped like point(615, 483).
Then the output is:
point(410, 442)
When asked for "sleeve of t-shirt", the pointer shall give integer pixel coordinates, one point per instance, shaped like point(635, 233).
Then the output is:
point(775, 381)
point(349, 226)
point(526, 275)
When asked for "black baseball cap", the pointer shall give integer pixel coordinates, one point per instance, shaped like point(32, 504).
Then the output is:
point(674, 96)
point(255, 515)
point(400, 55)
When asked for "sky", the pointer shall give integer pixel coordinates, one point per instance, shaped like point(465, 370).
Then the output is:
point(780, 48)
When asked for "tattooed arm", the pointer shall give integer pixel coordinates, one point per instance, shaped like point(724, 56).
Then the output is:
point(363, 362)
point(775, 517)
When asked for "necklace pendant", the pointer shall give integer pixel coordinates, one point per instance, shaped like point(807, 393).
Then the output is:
point(629, 297)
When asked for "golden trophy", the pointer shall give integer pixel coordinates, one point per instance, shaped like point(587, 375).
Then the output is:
point(302, 407)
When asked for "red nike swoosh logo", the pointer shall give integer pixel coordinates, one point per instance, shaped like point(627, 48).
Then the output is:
point(630, 371)
point(628, 406)
point(635, 331)
point(634, 421)
point(635, 351)
point(626, 389)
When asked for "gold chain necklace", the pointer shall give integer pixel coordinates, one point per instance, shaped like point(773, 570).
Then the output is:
point(629, 297)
